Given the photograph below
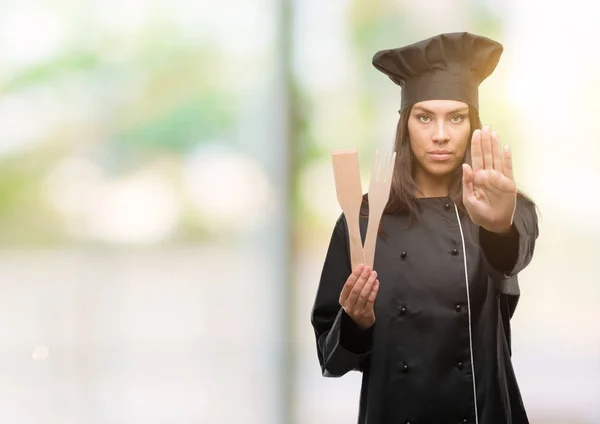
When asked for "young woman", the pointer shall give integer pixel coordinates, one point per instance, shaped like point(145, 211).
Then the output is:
point(429, 325)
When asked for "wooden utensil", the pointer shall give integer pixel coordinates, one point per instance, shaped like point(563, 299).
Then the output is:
point(349, 194)
point(379, 194)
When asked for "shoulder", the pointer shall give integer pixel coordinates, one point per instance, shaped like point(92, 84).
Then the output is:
point(340, 226)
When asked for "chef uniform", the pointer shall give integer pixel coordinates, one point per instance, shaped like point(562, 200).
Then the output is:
point(440, 349)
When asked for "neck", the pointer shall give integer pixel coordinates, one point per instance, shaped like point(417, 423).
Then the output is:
point(431, 186)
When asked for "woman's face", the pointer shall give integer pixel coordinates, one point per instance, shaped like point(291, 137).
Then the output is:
point(439, 132)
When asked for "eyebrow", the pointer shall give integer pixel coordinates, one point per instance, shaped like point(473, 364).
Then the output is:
point(462, 109)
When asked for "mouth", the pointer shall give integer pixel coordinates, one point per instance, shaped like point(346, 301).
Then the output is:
point(440, 155)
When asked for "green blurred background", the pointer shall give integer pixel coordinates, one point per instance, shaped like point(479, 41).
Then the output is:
point(167, 196)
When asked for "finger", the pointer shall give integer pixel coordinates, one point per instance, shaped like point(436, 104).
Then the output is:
point(507, 168)
point(496, 151)
point(476, 152)
point(373, 295)
point(350, 282)
point(346, 291)
point(486, 147)
point(366, 291)
point(358, 286)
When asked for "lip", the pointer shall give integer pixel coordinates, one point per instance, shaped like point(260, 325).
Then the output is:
point(440, 155)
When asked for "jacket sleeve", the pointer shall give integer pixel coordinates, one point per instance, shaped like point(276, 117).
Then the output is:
point(511, 253)
point(341, 345)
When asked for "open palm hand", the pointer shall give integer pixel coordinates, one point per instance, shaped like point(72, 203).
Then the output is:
point(489, 190)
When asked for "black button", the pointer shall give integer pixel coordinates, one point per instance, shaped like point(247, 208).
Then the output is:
point(403, 310)
point(465, 421)
point(447, 206)
point(459, 365)
point(454, 252)
point(405, 367)
point(458, 308)
point(403, 255)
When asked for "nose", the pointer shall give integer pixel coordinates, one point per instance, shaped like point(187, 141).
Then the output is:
point(441, 134)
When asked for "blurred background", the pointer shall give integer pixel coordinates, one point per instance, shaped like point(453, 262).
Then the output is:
point(167, 198)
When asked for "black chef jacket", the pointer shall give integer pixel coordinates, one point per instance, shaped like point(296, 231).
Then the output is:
point(440, 349)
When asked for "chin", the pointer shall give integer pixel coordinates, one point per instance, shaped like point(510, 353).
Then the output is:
point(440, 169)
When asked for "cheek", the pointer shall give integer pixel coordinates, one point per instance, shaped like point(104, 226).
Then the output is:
point(417, 146)
point(463, 139)
point(418, 140)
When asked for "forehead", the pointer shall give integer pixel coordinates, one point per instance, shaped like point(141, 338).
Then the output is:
point(441, 106)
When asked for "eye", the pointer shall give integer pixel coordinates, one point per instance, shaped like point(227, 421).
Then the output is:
point(425, 119)
point(457, 119)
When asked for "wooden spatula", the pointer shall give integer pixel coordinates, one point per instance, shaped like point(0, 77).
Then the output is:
point(379, 193)
point(349, 194)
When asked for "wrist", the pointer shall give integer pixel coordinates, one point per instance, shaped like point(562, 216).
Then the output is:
point(365, 327)
point(501, 230)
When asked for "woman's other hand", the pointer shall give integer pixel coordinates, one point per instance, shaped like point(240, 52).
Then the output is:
point(358, 296)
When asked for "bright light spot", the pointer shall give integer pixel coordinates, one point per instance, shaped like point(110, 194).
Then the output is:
point(230, 191)
point(30, 34)
point(140, 209)
point(40, 353)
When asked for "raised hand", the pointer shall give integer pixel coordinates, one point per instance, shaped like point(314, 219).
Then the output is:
point(358, 296)
point(489, 190)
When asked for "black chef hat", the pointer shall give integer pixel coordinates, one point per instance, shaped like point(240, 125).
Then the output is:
point(447, 66)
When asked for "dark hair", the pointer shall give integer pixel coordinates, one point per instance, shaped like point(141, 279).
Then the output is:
point(403, 199)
